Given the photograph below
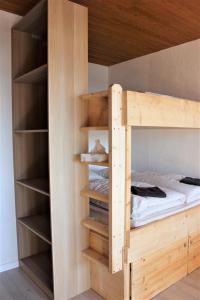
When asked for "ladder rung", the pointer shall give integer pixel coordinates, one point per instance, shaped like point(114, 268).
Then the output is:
point(95, 257)
point(94, 195)
point(100, 128)
point(103, 163)
point(96, 226)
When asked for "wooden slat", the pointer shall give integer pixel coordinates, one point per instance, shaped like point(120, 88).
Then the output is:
point(96, 226)
point(117, 179)
point(103, 163)
point(95, 195)
point(149, 110)
point(31, 131)
point(128, 188)
point(38, 75)
point(100, 128)
point(40, 185)
point(39, 224)
point(95, 257)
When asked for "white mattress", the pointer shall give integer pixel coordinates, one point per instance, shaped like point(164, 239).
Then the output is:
point(143, 207)
point(171, 181)
point(137, 222)
point(102, 215)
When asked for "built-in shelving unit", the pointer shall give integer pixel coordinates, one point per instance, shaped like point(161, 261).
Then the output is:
point(48, 74)
point(31, 153)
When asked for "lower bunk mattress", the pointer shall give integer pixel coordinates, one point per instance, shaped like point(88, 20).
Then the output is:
point(144, 210)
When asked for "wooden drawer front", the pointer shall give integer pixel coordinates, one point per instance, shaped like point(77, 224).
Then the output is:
point(155, 272)
point(158, 253)
point(194, 239)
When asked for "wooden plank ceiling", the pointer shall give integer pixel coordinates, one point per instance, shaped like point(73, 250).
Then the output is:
point(122, 30)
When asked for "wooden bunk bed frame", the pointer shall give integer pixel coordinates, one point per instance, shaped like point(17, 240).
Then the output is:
point(137, 263)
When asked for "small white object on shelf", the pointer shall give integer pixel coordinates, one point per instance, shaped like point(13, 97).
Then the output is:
point(97, 154)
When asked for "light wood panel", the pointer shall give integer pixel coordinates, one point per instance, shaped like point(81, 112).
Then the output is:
point(142, 109)
point(116, 179)
point(159, 255)
point(68, 63)
point(109, 286)
point(99, 243)
point(194, 239)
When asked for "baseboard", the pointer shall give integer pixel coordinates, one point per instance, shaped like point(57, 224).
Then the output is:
point(9, 266)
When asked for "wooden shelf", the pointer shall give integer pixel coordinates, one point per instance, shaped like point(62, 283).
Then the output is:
point(103, 163)
point(35, 21)
point(87, 129)
point(38, 75)
point(39, 268)
point(28, 131)
point(102, 94)
point(96, 257)
point(40, 185)
point(39, 224)
point(96, 226)
point(95, 195)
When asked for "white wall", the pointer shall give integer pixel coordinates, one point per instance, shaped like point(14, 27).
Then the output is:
point(175, 71)
point(98, 81)
point(8, 240)
point(98, 78)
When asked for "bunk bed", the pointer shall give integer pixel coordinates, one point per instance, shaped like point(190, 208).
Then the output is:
point(136, 263)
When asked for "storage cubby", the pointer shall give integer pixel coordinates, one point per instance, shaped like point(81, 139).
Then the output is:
point(31, 156)
point(36, 258)
point(31, 107)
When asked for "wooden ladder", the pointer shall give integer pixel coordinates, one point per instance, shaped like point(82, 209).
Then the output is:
point(104, 112)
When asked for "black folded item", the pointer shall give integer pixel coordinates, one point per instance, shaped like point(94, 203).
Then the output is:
point(191, 181)
point(148, 192)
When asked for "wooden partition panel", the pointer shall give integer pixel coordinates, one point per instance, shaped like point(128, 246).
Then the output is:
point(194, 239)
point(68, 76)
point(159, 256)
point(142, 109)
point(117, 179)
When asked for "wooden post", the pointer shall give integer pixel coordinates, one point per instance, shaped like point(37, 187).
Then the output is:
point(117, 179)
point(68, 79)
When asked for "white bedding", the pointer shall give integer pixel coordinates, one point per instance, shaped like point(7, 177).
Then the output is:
point(191, 192)
point(143, 207)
